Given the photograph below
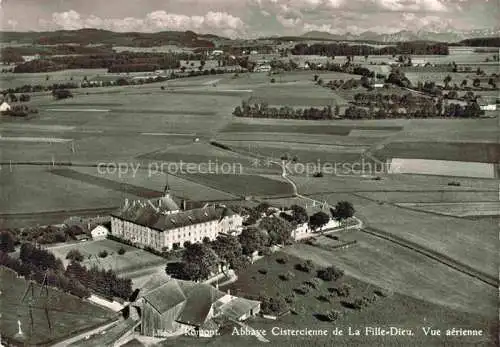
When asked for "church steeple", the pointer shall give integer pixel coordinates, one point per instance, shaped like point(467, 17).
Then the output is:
point(166, 190)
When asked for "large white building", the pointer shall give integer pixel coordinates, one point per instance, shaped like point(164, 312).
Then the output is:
point(162, 225)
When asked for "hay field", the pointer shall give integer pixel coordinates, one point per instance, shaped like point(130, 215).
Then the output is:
point(243, 185)
point(359, 140)
point(394, 268)
point(13, 80)
point(453, 151)
point(456, 209)
point(148, 177)
point(35, 189)
point(472, 243)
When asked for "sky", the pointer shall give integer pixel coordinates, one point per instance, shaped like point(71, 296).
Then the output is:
point(250, 18)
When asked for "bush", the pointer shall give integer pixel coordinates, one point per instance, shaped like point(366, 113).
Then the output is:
point(74, 255)
point(273, 80)
point(308, 266)
point(324, 298)
point(344, 290)
point(313, 283)
point(283, 260)
point(333, 315)
point(302, 290)
point(290, 298)
point(263, 271)
point(287, 276)
point(103, 254)
point(276, 305)
point(121, 251)
point(330, 273)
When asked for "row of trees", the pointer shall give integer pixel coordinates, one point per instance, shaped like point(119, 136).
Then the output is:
point(430, 110)
point(335, 49)
point(263, 110)
point(385, 101)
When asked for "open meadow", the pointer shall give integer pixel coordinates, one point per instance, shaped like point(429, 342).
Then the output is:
point(468, 242)
point(133, 264)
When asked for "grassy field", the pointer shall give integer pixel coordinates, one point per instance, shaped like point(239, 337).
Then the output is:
point(457, 209)
point(444, 196)
point(152, 180)
point(473, 152)
point(298, 138)
point(304, 127)
point(472, 243)
point(392, 267)
point(35, 189)
point(67, 314)
point(17, 80)
point(243, 185)
point(133, 259)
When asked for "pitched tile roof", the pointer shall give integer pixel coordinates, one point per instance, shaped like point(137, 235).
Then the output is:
point(197, 298)
point(149, 217)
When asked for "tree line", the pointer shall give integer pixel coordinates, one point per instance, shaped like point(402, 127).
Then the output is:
point(119, 62)
point(263, 110)
point(428, 110)
point(342, 49)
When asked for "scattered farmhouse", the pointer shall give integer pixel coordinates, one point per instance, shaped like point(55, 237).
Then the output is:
point(418, 62)
point(100, 232)
point(4, 107)
point(263, 68)
point(170, 307)
point(162, 225)
point(487, 104)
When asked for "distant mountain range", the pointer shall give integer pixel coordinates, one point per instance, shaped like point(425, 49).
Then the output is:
point(194, 40)
point(406, 35)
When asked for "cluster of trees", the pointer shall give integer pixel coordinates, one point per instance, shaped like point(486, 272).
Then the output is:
point(398, 78)
point(263, 110)
point(53, 277)
point(343, 49)
point(343, 210)
point(115, 62)
point(59, 94)
point(41, 235)
point(36, 263)
point(102, 282)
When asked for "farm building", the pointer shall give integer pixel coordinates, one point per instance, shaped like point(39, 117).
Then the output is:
point(99, 233)
point(4, 107)
point(487, 103)
point(263, 68)
point(162, 225)
point(171, 307)
point(418, 62)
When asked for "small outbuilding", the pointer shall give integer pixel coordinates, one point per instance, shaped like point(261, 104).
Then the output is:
point(4, 107)
point(99, 233)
